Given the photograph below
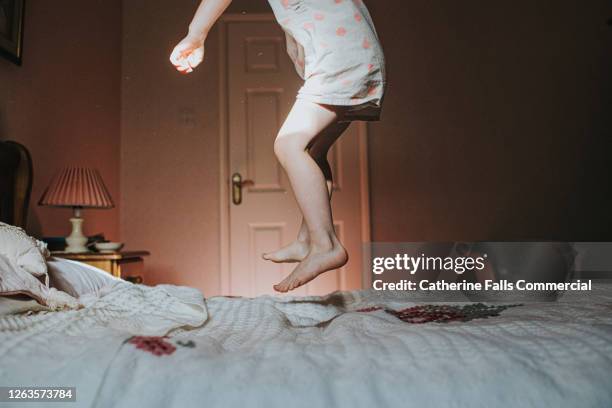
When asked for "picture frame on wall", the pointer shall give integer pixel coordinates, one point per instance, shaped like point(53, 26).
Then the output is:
point(11, 29)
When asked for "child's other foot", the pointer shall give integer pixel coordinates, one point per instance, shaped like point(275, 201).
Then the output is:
point(294, 252)
point(315, 263)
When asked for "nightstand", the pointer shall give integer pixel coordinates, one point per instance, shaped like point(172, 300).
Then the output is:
point(127, 265)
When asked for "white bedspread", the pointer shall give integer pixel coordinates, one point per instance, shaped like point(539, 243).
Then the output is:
point(316, 352)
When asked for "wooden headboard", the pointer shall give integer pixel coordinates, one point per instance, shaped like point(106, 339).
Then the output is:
point(15, 183)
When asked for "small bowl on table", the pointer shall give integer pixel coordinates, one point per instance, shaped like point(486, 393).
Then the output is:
point(108, 247)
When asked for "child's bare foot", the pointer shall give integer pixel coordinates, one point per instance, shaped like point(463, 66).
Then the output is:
point(317, 261)
point(294, 252)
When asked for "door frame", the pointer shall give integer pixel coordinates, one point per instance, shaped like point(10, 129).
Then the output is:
point(224, 177)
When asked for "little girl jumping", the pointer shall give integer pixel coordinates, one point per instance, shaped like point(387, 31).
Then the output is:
point(335, 49)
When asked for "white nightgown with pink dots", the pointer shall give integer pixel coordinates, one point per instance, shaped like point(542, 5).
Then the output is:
point(335, 49)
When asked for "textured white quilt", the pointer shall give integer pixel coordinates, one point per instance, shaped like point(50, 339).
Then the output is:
point(313, 352)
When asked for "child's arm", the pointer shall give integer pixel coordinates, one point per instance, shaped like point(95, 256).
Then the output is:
point(189, 53)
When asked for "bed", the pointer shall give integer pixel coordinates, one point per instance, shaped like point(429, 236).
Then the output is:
point(125, 345)
point(139, 346)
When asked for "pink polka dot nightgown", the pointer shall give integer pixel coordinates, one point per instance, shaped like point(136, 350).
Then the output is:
point(335, 49)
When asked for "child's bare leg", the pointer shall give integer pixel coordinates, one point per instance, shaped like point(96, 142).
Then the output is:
point(305, 121)
point(298, 249)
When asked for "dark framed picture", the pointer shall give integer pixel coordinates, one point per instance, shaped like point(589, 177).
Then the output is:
point(11, 29)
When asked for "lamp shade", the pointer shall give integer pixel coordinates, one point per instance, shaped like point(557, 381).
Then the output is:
point(77, 187)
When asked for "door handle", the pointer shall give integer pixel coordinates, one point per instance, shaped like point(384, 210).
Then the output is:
point(237, 184)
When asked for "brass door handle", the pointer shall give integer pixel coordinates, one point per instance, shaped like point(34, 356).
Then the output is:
point(237, 184)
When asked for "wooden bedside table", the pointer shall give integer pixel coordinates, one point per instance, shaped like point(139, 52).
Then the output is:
point(127, 265)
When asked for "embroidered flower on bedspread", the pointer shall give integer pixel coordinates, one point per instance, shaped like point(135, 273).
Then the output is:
point(153, 344)
point(443, 313)
point(158, 345)
point(368, 309)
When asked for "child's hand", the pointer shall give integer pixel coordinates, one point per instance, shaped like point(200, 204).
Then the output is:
point(187, 54)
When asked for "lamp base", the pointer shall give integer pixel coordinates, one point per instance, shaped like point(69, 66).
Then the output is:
point(76, 240)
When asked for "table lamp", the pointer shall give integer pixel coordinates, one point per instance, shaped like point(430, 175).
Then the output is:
point(78, 188)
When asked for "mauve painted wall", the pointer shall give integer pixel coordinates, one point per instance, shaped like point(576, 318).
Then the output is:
point(496, 126)
point(169, 148)
point(63, 103)
point(497, 122)
point(170, 145)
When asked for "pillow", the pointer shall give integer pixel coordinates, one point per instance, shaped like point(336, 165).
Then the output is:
point(77, 278)
point(24, 251)
point(14, 280)
point(19, 304)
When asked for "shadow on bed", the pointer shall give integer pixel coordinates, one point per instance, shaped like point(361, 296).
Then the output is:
point(415, 314)
point(337, 299)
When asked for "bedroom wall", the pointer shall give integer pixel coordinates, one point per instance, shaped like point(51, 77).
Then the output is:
point(63, 103)
point(497, 121)
point(494, 127)
point(169, 146)
point(169, 150)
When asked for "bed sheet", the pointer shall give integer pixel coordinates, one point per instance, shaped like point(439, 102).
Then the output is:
point(341, 350)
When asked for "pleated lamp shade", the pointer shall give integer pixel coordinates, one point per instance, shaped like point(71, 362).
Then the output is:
point(77, 187)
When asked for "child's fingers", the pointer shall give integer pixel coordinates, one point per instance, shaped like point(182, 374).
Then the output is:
point(179, 55)
point(194, 60)
point(185, 59)
point(184, 67)
point(175, 57)
point(180, 63)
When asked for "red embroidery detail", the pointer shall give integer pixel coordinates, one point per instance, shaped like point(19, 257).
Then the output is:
point(319, 16)
point(369, 309)
point(155, 345)
point(447, 313)
point(341, 31)
point(425, 314)
point(358, 17)
point(366, 44)
point(309, 26)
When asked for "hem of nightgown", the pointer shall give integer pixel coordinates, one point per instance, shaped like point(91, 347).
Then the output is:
point(349, 109)
point(360, 118)
point(372, 116)
point(336, 101)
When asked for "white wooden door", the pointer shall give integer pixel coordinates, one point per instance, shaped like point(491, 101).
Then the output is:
point(261, 87)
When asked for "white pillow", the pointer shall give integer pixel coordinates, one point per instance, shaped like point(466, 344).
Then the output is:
point(77, 278)
point(14, 280)
point(19, 304)
point(24, 251)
